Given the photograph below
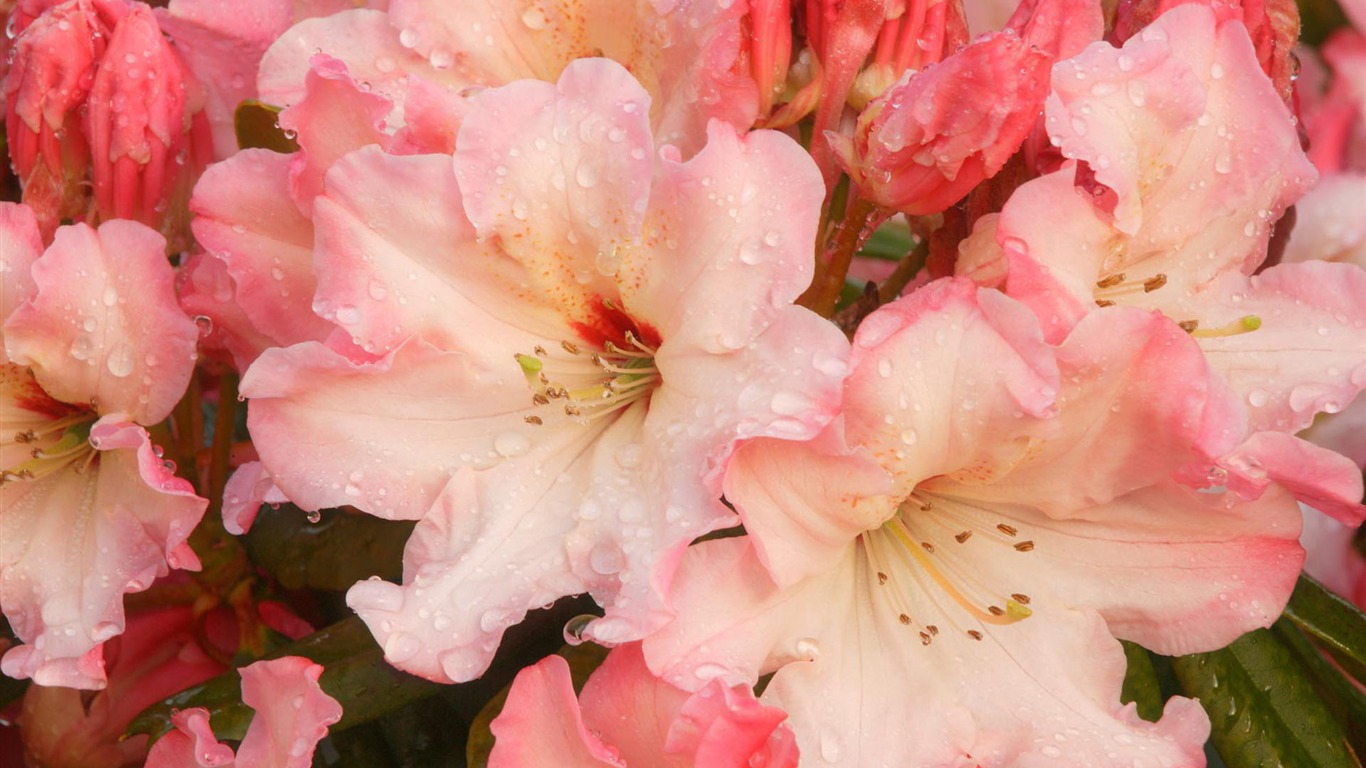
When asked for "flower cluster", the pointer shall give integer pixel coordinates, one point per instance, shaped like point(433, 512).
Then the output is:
point(586, 298)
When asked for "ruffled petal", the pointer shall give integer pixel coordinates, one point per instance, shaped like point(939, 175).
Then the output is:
point(541, 726)
point(1327, 481)
point(116, 336)
point(76, 542)
point(248, 488)
point(292, 712)
point(560, 175)
point(191, 745)
point(245, 218)
point(20, 246)
point(737, 219)
point(845, 662)
point(1307, 353)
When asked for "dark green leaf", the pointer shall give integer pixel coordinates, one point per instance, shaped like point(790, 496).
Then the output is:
point(1344, 699)
point(256, 126)
point(1264, 711)
point(333, 553)
point(1141, 684)
point(583, 659)
point(1319, 19)
point(355, 674)
point(1335, 623)
point(891, 242)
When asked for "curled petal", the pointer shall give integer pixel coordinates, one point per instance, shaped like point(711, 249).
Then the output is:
point(292, 712)
point(116, 336)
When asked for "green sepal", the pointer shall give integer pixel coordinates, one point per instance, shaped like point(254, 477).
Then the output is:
point(583, 659)
point(340, 549)
point(1333, 622)
point(1141, 685)
point(257, 127)
point(1263, 709)
point(355, 674)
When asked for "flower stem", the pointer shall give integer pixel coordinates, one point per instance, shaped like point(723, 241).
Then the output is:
point(824, 292)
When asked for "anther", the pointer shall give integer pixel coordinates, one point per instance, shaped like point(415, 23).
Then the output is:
point(1008, 530)
point(933, 629)
point(996, 611)
point(1111, 281)
point(974, 634)
point(881, 577)
point(570, 347)
point(1103, 303)
point(533, 420)
point(1025, 546)
point(928, 547)
point(540, 399)
point(962, 537)
point(904, 619)
point(1153, 283)
point(573, 410)
point(25, 437)
point(539, 350)
point(925, 638)
point(1189, 326)
point(1019, 598)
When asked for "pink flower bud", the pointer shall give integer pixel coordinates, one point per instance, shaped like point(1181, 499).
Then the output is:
point(52, 69)
point(770, 48)
point(148, 135)
point(935, 135)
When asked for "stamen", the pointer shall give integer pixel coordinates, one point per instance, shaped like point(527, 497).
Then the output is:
point(1244, 324)
point(533, 420)
point(1189, 326)
point(1154, 282)
point(881, 577)
point(1019, 598)
point(1008, 530)
point(1110, 281)
point(963, 537)
point(928, 547)
point(974, 634)
point(1025, 546)
point(1103, 303)
point(570, 347)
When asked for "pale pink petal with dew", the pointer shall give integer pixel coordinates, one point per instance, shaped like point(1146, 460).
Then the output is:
point(226, 334)
point(75, 543)
point(20, 246)
point(560, 174)
point(951, 378)
point(115, 335)
point(1188, 132)
point(191, 744)
point(459, 593)
point(1330, 222)
point(1343, 432)
point(334, 117)
point(1327, 481)
point(248, 488)
point(396, 257)
point(246, 218)
point(541, 726)
point(412, 418)
point(1050, 241)
point(292, 712)
point(1176, 570)
point(653, 723)
point(845, 660)
point(362, 38)
point(222, 44)
point(1140, 403)
point(738, 217)
point(1307, 353)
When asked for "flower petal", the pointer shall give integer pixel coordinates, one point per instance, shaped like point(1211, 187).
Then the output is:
point(75, 543)
point(116, 335)
point(191, 745)
point(20, 246)
point(248, 488)
point(541, 726)
point(292, 712)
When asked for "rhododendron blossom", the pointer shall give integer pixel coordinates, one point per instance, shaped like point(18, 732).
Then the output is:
point(95, 347)
point(537, 335)
point(972, 526)
point(627, 717)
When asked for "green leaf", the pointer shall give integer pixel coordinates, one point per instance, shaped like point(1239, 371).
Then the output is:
point(355, 674)
point(1334, 622)
point(1319, 19)
point(256, 124)
point(1141, 684)
point(890, 242)
point(1264, 711)
point(583, 659)
point(1344, 699)
point(339, 550)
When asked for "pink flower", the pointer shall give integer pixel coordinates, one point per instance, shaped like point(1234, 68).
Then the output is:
point(95, 347)
point(925, 575)
point(155, 657)
point(626, 717)
point(549, 352)
point(292, 716)
point(1180, 176)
